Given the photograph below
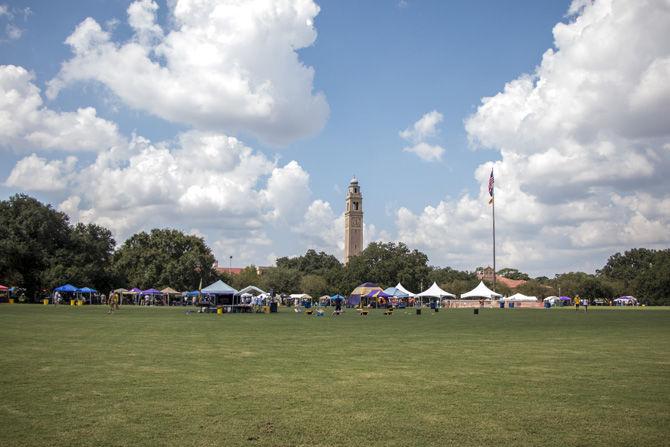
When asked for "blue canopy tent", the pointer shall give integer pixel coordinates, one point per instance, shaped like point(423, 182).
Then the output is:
point(89, 291)
point(221, 289)
point(192, 296)
point(396, 293)
point(67, 288)
point(337, 297)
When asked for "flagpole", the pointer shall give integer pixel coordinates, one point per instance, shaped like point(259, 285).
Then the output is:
point(494, 243)
point(493, 202)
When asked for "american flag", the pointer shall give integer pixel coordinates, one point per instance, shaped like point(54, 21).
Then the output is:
point(491, 184)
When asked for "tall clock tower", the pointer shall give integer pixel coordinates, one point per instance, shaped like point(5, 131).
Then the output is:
point(353, 221)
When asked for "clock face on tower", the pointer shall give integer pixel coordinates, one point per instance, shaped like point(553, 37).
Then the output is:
point(355, 222)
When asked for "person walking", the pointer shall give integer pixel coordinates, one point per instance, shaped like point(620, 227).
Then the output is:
point(338, 306)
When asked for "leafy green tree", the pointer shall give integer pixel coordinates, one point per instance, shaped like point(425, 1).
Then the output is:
point(640, 272)
point(499, 288)
point(247, 277)
point(582, 284)
point(92, 252)
point(451, 280)
point(310, 262)
point(34, 239)
point(282, 280)
point(314, 285)
point(387, 264)
point(39, 250)
point(652, 285)
point(536, 288)
point(513, 274)
point(164, 258)
point(459, 286)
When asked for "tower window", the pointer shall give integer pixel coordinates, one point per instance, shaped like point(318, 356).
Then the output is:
point(356, 206)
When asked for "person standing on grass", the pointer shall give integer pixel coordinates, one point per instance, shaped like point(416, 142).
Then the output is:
point(577, 299)
point(585, 302)
point(113, 303)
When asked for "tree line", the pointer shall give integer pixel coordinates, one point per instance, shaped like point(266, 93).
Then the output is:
point(40, 249)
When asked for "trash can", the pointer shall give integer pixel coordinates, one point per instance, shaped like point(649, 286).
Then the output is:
point(432, 305)
point(418, 311)
point(502, 304)
point(266, 309)
point(511, 305)
point(476, 311)
point(11, 301)
point(71, 302)
point(273, 308)
point(45, 301)
point(547, 304)
point(219, 310)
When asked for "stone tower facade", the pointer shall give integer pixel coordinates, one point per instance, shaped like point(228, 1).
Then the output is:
point(353, 221)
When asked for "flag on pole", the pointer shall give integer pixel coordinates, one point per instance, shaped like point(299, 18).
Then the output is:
point(491, 181)
point(200, 287)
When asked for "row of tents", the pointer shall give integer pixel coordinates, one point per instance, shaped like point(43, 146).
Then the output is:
point(373, 291)
point(218, 292)
point(221, 293)
point(365, 291)
point(625, 300)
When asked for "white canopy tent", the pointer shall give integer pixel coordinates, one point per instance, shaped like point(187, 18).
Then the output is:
point(520, 297)
point(551, 300)
point(251, 290)
point(481, 291)
point(404, 290)
point(301, 296)
point(435, 291)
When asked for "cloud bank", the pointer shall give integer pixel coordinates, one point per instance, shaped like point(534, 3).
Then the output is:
point(584, 145)
point(223, 66)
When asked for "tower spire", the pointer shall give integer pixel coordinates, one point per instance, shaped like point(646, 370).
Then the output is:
point(353, 221)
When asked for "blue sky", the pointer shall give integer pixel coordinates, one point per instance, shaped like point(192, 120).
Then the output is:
point(129, 123)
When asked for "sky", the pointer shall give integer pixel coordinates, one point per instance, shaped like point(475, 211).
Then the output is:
point(244, 121)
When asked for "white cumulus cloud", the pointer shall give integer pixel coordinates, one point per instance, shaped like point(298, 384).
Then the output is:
point(34, 173)
point(231, 193)
point(420, 132)
point(225, 66)
point(26, 123)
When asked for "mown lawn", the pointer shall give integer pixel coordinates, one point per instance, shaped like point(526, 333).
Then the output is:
point(157, 376)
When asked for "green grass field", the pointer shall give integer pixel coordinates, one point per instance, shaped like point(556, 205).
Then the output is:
point(156, 376)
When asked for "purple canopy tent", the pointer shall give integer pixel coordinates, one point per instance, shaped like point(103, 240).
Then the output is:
point(151, 292)
point(378, 294)
point(361, 292)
